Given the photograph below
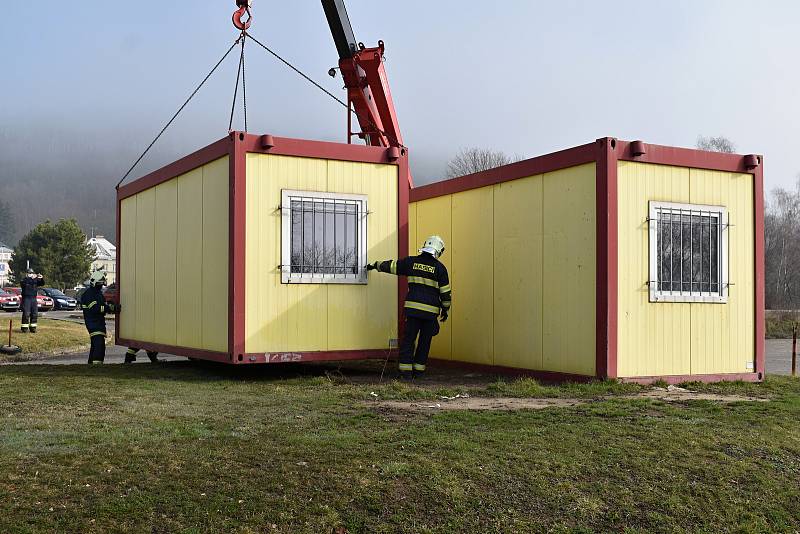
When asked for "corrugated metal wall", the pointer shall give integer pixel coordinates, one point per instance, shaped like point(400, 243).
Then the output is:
point(522, 260)
point(683, 338)
point(174, 261)
point(317, 317)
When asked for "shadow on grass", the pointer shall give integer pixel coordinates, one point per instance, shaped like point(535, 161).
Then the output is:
point(201, 371)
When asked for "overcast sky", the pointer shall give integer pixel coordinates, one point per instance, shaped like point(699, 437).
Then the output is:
point(520, 76)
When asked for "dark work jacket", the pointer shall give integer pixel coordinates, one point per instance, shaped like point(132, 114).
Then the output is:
point(30, 286)
point(428, 284)
point(94, 307)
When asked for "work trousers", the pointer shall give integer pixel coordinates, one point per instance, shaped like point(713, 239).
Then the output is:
point(425, 329)
point(30, 313)
point(130, 355)
point(97, 353)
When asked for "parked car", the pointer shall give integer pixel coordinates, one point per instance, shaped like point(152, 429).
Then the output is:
point(111, 294)
point(9, 301)
point(60, 300)
point(43, 302)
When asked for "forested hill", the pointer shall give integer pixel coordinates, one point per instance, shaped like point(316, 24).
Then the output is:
point(51, 175)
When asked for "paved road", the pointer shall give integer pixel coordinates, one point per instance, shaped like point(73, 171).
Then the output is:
point(114, 354)
point(778, 353)
point(779, 356)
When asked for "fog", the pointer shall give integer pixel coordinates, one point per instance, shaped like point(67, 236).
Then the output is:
point(86, 89)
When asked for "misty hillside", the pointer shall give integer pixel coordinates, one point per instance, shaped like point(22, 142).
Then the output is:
point(54, 176)
point(71, 172)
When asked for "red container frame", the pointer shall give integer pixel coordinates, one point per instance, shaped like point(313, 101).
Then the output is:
point(236, 146)
point(606, 152)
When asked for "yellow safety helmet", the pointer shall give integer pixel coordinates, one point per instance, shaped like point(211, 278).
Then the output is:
point(433, 245)
point(98, 277)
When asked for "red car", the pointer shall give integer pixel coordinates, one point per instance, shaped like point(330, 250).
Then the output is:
point(43, 302)
point(111, 294)
point(9, 301)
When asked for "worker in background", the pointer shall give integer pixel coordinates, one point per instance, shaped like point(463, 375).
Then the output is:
point(30, 307)
point(428, 299)
point(94, 307)
point(130, 355)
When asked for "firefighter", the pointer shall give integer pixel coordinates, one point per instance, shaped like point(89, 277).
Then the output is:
point(130, 355)
point(94, 308)
point(30, 307)
point(427, 301)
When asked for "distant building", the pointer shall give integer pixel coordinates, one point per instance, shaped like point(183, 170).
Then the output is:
point(5, 269)
point(105, 257)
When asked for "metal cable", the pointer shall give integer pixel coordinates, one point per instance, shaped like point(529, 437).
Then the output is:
point(318, 86)
point(236, 91)
point(244, 83)
point(164, 129)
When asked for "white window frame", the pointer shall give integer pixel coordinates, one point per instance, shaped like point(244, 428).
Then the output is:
point(287, 276)
point(723, 223)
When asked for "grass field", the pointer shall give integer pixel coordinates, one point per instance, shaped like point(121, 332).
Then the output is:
point(779, 324)
point(185, 448)
point(50, 337)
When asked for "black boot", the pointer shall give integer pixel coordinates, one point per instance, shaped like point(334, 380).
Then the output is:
point(153, 355)
point(406, 376)
point(130, 355)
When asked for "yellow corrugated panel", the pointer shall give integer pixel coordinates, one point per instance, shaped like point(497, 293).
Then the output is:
point(522, 260)
point(569, 270)
point(434, 217)
point(127, 317)
point(214, 285)
point(166, 237)
point(190, 258)
point(360, 318)
point(145, 264)
point(277, 318)
point(518, 273)
point(722, 338)
point(317, 317)
point(412, 227)
point(472, 270)
point(174, 287)
point(653, 338)
point(683, 338)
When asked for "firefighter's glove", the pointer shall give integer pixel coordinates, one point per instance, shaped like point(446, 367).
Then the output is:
point(444, 317)
point(372, 266)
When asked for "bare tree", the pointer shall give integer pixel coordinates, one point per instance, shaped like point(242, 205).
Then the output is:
point(782, 249)
point(716, 144)
point(472, 160)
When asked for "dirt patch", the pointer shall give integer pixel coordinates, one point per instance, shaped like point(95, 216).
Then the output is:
point(479, 403)
point(681, 395)
point(512, 403)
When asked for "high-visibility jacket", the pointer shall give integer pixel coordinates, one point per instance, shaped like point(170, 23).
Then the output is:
point(30, 286)
point(94, 307)
point(429, 290)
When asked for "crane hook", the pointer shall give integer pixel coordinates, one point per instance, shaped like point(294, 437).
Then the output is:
point(244, 7)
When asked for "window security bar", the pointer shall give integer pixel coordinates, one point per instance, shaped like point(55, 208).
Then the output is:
point(726, 225)
point(314, 210)
point(688, 253)
point(324, 237)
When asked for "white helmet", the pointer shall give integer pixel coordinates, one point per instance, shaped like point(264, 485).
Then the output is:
point(433, 245)
point(98, 277)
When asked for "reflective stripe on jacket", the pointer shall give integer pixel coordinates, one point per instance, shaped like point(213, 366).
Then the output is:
point(428, 284)
point(93, 304)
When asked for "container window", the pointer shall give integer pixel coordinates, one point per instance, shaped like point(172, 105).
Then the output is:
point(324, 238)
point(688, 253)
